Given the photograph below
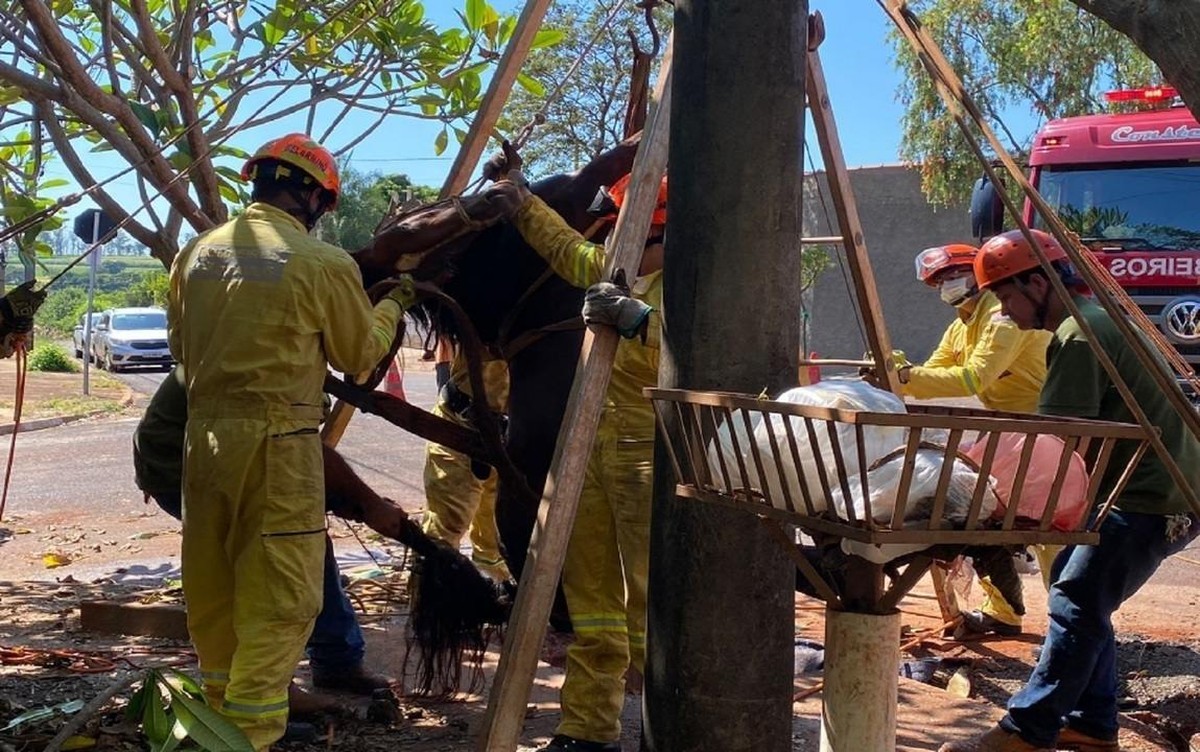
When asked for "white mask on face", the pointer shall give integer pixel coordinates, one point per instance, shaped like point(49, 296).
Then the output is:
point(956, 291)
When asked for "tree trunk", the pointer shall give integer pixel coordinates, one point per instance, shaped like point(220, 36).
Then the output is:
point(720, 656)
point(1166, 30)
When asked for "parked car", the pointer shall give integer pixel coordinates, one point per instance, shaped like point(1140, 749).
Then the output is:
point(127, 337)
point(78, 338)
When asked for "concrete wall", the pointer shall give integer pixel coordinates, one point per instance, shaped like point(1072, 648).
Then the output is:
point(897, 224)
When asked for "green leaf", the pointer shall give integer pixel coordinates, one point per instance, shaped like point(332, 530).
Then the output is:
point(271, 34)
point(229, 193)
point(180, 680)
point(439, 143)
point(507, 26)
point(471, 87)
point(9, 95)
point(460, 134)
point(53, 183)
point(137, 703)
point(173, 740)
point(155, 725)
point(207, 727)
point(475, 14)
point(531, 85)
point(147, 116)
point(547, 38)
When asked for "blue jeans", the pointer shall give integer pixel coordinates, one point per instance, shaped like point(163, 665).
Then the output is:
point(336, 643)
point(1075, 680)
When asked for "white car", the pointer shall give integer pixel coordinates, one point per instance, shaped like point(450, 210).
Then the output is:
point(78, 338)
point(128, 337)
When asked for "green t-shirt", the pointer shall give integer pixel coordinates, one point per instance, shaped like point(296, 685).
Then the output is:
point(1078, 386)
point(158, 439)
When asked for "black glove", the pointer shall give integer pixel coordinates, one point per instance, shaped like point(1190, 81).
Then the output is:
point(610, 304)
point(19, 305)
point(498, 201)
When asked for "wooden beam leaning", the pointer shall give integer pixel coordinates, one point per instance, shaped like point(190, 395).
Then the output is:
point(495, 97)
point(505, 715)
point(957, 100)
point(472, 148)
point(838, 180)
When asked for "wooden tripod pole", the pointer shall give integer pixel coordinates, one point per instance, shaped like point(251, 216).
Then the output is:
point(849, 224)
point(505, 714)
point(481, 128)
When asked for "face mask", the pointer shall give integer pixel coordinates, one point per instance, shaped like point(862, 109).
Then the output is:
point(955, 291)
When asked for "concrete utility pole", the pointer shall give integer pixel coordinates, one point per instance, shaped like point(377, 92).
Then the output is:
point(720, 656)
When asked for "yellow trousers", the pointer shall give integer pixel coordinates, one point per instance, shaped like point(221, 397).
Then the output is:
point(994, 604)
point(458, 503)
point(604, 579)
point(253, 551)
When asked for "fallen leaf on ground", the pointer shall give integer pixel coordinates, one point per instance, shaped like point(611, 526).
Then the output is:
point(53, 560)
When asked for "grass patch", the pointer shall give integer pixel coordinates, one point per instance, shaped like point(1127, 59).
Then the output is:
point(79, 405)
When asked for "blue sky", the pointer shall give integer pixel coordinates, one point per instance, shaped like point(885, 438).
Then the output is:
point(856, 56)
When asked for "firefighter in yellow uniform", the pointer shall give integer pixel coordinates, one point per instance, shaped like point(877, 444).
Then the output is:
point(457, 501)
point(982, 354)
point(257, 310)
point(607, 564)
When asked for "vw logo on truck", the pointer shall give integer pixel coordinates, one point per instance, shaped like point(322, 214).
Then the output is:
point(1181, 321)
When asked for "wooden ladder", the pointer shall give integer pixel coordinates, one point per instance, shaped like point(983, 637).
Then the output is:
point(866, 293)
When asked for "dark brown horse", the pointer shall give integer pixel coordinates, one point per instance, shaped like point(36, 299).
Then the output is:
point(519, 309)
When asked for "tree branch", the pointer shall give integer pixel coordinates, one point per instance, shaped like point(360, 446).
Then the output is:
point(159, 170)
point(200, 170)
point(159, 246)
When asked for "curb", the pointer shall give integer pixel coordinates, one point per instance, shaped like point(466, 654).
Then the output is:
point(55, 421)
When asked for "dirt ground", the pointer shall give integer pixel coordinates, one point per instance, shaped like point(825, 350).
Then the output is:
point(46, 659)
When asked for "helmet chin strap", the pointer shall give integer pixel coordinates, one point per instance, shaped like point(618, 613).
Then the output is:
point(301, 211)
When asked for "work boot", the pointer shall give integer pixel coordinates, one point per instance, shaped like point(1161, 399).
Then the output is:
point(1078, 741)
point(996, 740)
point(976, 624)
point(356, 679)
point(299, 732)
point(564, 743)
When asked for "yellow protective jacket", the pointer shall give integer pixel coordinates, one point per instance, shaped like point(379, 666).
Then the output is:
point(985, 356)
point(266, 307)
point(495, 380)
point(582, 264)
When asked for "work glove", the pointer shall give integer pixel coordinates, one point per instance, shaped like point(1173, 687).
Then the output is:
point(610, 304)
point(872, 378)
point(404, 293)
point(498, 201)
point(19, 305)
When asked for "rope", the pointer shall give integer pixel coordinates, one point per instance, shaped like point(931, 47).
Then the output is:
point(539, 117)
point(22, 359)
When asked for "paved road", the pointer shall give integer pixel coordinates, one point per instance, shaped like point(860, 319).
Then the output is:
point(73, 486)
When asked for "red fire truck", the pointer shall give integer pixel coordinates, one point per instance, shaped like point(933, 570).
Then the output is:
point(1129, 184)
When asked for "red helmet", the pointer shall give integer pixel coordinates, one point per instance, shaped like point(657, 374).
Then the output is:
point(933, 261)
point(299, 150)
point(1008, 254)
point(621, 187)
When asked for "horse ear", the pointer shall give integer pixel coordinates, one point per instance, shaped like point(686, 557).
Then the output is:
point(603, 205)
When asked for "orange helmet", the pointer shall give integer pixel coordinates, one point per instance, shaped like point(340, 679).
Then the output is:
point(298, 150)
point(617, 194)
point(1008, 254)
point(933, 261)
